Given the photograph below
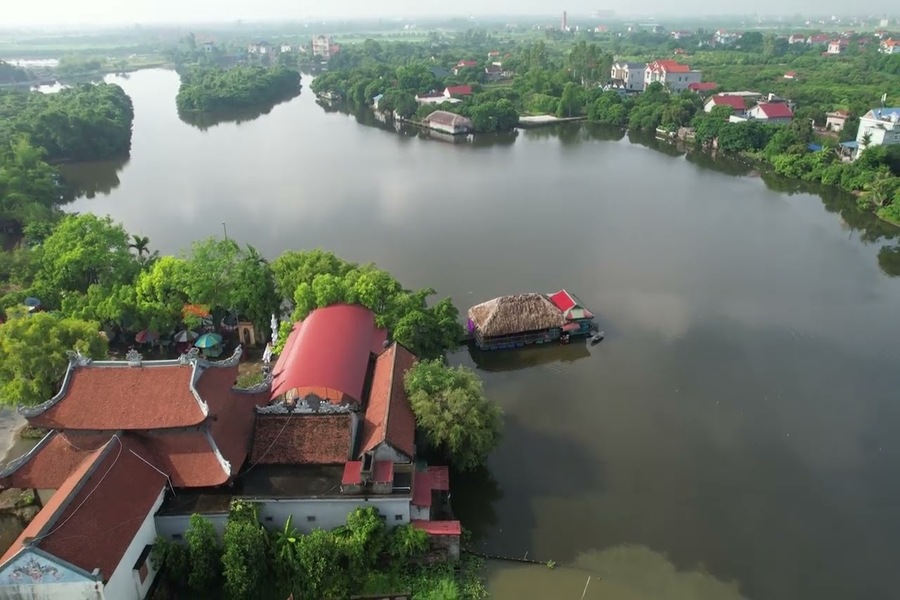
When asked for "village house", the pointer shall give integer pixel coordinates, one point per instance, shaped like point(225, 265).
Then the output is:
point(435, 97)
point(818, 39)
point(726, 38)
point(324, 47)
point(837, 46)
point(494, 72)
point(286, 48)
point(681, 35)
point(797, 38)
point(448, 122)
point(835, 121)
point(790, 75)
point(878, 127)
point(778, 113)
point(628, 75)
point(259, 48)
point(703, 86)
point(673, 76)
point(463, 65)
point(736, 103)
point(493, 54)
point(454, 91)
point(889, 46)
point(136, 447)
point(601, 29)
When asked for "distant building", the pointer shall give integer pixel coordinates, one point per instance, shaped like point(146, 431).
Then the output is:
point(259, 48)
point(818, 39)
point(564, 25)
point(703, 86)
point(736, 103)
point(797, 38)
point(889, 46)
point(674, 76)
point(790, 75)
point(286, 48)
point(881, 126)
point(457, 90)
point(726, 38)
point(681, 35)
point(435, 98)
point(448, 122)
point(628, 75)
point(324, 47)
point(376, 100)
point(464, 64)
point(771, 112)
point(835, 121)
point(208, 47)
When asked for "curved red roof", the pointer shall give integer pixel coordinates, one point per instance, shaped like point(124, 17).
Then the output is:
point(327, 354)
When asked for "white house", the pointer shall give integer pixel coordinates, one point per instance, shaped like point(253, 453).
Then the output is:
point(736, 103)
point(889, 46)
point(629, 75)
point(674, 76)
point(726, 37)
point(260, 48)
point(879, 127)
point(835, 121)
point(771, 112)
point(834, 47)
point(797, 38)
point(286, 48)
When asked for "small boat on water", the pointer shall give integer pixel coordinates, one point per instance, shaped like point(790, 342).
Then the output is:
point(597, 337)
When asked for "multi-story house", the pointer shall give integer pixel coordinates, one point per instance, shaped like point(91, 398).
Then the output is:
point(628, 75)
point(674, 76)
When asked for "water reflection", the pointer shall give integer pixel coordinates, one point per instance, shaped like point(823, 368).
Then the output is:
point(206, 120)
point(720, 163)
point(889, 260)
point(87, 179)
point(526, 358)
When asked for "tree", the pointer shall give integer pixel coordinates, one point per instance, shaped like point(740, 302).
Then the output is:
point(83, 250)
point(452, 410)
point(245, 555)
point(571, 103)
point(141, 246)
point(203, 555)
point(499, 115)
point(407, 542)
point(33, 358)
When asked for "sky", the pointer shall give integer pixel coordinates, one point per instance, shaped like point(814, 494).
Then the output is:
point(106, 12)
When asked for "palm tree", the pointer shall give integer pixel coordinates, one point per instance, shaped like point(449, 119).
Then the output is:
point(141, 245)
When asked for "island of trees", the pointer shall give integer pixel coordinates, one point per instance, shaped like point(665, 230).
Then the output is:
point(215, 89)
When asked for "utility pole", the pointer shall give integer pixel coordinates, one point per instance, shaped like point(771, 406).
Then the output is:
point(225, 230)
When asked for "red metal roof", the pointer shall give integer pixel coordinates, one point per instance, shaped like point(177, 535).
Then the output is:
point(327, 354)
point(421, 489)
point(440, 478)
point(669, 65)
point(389, 417)
point(352, 473)
point(563, 300)
point(310, 439)
point(112, 398)
point(93, 517)
point(703, 86)
point(775, 110)
point(467, 63)
point(735, 102)
point(438, 527)
point(383, 471)
point(459, 90)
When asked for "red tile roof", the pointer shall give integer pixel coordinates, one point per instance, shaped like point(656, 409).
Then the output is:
point(459, 90)
point(421, 489)
point(112, 398)
point(735, 102)
point(327, 354)
point(703, 86)
point(440, 478)
point(438, 527)
point(352, 473)
point(389, 417)
point(669, 65)
point(308, 439)
point(93, 517)
point(383, 471)
point(51, 461)
point(467, 63)
point(791, 74)
point(775, 110)
point(231, 413)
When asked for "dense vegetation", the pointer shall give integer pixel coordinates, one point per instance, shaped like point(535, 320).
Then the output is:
point(211, 89)
point(362, 557)
point(10, 74)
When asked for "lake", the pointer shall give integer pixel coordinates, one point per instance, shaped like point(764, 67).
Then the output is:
point(734, 436)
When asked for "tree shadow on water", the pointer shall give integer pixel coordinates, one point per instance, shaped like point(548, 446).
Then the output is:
point(531, 356)
point(89, 179)
point(497, 503)
point(207, 120)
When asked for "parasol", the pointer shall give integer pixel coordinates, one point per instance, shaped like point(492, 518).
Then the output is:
point(185, 336)
point(146, 337)
point(208, 340)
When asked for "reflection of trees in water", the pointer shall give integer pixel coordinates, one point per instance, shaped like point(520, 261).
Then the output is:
point(649, 140)
point(91, 178)
point(889, 260)
point(206, 120)
point(474, 498)
point(722, 164)
point(531, 356)
point(572, 134)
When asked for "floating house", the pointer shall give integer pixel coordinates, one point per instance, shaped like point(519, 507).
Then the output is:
point(522, 319)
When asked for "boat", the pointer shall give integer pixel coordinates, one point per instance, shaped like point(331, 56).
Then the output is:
point(597, 337)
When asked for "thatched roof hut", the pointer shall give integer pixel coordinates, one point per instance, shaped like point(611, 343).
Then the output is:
point(509, 315)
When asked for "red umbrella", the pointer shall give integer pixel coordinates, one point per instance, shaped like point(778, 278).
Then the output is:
point(146, 337)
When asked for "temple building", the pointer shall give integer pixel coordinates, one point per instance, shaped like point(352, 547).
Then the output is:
point(135, 447)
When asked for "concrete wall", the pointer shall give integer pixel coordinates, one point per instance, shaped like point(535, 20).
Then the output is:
point(123, 583)
point(384, 451)
point(328, 513)
point(34, 575)
point(54, 591)
point(170, 526)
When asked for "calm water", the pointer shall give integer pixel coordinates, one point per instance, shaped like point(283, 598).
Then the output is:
point(734, 436)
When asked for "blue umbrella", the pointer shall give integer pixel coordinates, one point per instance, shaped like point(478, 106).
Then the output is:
point(31, 302)
point(208, 340)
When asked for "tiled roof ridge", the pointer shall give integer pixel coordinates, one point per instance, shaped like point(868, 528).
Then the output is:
point(387, 409)
point(226, 466)
point(18, 462)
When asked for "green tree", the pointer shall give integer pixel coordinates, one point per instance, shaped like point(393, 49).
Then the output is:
point(141, 246)
point(245, 556)
point(33, 358)
point(452, 410)
point(571, 104)
point(407, 542)
point(83, 250)
point(203, 555)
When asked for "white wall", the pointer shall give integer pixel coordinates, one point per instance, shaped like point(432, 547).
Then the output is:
point(54, 591)
point(328, 512)
point(169, 526)
point(122, 585)
point(384, 451)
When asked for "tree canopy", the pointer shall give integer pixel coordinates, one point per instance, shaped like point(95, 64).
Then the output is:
point(210, 89)
point(33, 357)
point(452, 410)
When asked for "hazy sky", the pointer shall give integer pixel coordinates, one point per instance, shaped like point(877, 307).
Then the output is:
point(36, 12)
